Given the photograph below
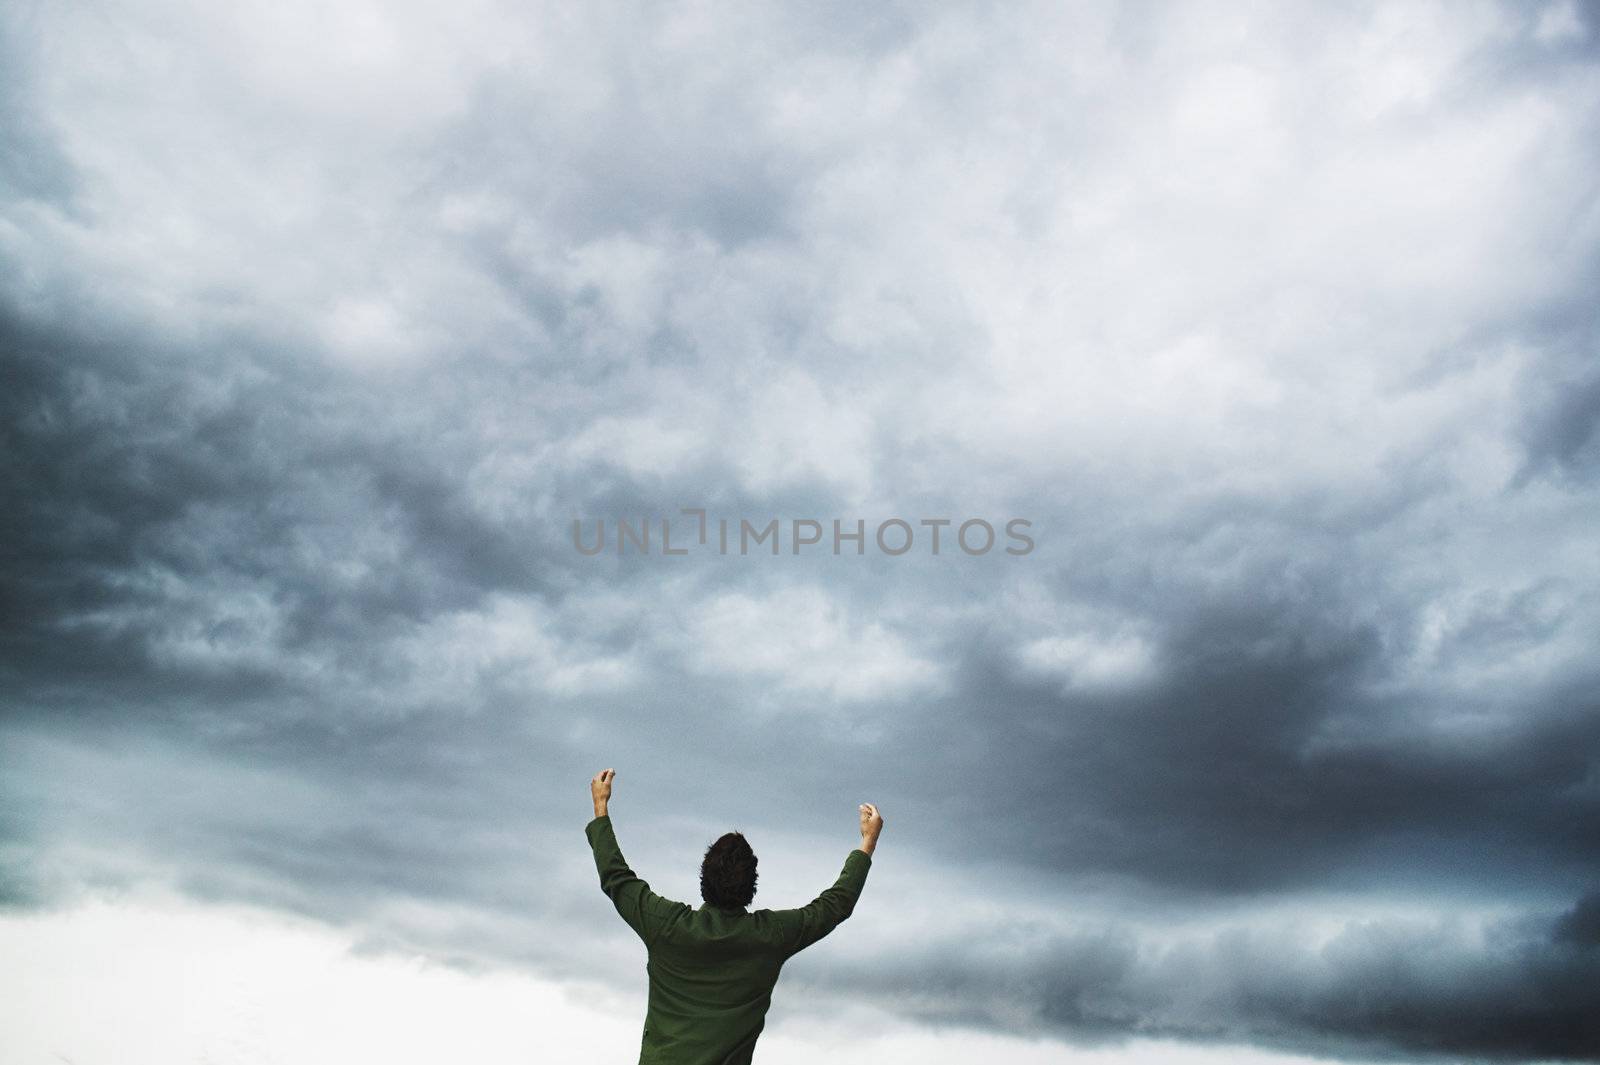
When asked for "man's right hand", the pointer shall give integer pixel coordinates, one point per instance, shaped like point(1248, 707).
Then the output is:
point(600, 790)
point(871, 825)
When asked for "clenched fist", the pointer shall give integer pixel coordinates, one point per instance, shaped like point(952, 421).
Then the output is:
point(600, 790)
point(871, 825)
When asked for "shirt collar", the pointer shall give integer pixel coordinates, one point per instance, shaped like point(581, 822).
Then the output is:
point(720, 909)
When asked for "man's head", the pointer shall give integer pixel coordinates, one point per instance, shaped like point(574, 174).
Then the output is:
point(728, 873)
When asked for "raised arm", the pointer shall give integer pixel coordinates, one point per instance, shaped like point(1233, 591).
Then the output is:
point(828, 910)
point(644, 910)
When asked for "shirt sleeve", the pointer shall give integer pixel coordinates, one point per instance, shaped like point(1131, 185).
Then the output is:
point(809, 923)
point(645, 911)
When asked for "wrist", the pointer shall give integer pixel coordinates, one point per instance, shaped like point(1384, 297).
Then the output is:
point(868, 844)
point(600, 810)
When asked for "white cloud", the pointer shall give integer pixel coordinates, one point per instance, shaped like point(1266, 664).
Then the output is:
point(141, 983)
point(798, 428)
point(512, 640)
point(1086, 662)
point(645, 445)
point(806, 642)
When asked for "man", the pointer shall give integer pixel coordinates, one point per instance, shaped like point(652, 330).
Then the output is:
point(712, 970)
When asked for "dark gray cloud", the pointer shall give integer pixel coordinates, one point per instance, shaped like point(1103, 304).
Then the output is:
point(1582, 925)
point(1506, 988)
point(1286, 733)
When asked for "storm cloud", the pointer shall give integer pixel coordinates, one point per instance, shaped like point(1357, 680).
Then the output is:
point(318, 329)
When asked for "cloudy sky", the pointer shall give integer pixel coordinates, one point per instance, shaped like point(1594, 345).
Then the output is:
point(320, 325)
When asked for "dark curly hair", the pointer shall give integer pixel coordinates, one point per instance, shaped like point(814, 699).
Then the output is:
point(728, 873)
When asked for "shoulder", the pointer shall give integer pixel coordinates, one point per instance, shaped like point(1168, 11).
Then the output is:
point(772, 919)
point(669, 909)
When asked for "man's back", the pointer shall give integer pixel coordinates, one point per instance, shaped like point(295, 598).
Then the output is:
point(712, 969)
point(711, 979)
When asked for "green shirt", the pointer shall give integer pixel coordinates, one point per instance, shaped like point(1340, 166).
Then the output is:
point(711, 970)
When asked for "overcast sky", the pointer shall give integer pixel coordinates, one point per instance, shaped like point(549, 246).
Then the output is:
point(320, 325)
